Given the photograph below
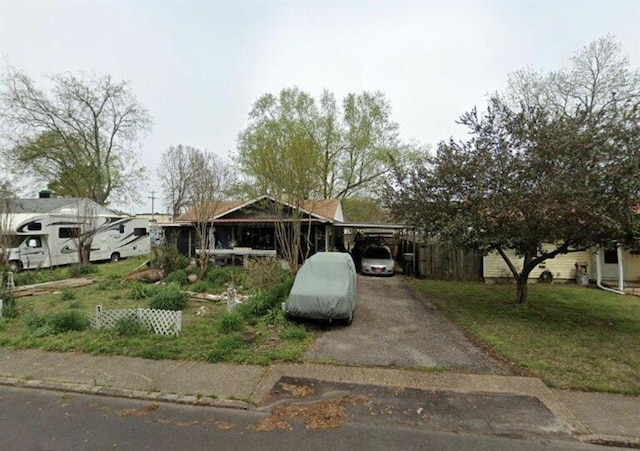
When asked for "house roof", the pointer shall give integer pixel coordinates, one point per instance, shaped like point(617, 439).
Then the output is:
point(224, 206)
point(328, 209)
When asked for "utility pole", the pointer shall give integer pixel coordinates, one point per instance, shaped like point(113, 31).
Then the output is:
point(153, 198)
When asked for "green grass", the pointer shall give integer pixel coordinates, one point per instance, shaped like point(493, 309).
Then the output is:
point(571, 337)
point(44, 321)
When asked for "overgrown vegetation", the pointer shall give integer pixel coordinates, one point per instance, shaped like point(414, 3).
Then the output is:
point(255, 333)
point(9, 309)
point(571, 337)
point(170, 297)
point(82, 270)
point(130, 326)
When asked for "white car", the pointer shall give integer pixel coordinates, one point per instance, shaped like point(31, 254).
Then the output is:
point(377, 261)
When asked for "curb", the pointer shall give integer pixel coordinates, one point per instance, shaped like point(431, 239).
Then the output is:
point(611, 440)
point(202, 401)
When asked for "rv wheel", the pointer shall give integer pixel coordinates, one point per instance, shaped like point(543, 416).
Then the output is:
point(115, 257)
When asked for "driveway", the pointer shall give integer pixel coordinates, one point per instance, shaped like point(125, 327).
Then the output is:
point(393, 328)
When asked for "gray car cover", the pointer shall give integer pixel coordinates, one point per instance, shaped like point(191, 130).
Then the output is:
point(325, 287)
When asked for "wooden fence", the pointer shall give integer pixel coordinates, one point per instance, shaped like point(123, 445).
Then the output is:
point(444, 262)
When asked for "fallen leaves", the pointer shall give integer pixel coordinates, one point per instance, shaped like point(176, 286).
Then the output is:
point(138, 412)
point(326, 414)
point(298, 391)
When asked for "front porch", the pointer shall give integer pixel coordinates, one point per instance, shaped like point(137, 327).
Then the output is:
point(237, 243)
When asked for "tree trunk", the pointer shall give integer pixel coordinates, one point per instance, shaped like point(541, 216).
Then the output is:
point(522, 290)
point(85, 253)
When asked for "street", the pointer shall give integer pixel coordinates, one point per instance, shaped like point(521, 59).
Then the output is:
point(33, 419)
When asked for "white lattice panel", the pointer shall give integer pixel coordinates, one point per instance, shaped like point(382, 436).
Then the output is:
point(161, 322)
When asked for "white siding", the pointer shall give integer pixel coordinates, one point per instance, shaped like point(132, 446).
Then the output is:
point(631, 264)
point(562, 266)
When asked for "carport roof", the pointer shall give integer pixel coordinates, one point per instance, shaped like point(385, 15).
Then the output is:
point(371, 226)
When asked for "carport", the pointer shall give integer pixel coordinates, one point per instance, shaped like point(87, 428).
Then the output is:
point(405, 232)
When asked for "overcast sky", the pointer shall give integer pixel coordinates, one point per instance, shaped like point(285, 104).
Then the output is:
point(198, 66)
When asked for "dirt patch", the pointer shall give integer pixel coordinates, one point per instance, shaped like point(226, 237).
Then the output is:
point(327, 414)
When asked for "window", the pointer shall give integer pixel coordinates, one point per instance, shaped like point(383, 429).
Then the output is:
point(34, 226)
point(68, 232)
point(139, 231)
point(34, 242)
point(611, 257)
point(381, 253)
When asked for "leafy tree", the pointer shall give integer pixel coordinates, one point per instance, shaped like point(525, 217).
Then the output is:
point(364, 210)
point(79, 138)
point(535, 178)
point(348, 149)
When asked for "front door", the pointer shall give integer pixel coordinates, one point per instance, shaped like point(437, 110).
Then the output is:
point(33, 252)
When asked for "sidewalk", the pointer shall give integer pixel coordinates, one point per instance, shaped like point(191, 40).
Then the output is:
point(592, 417)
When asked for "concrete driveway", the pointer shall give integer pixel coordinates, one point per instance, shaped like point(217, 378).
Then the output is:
point(393, 328)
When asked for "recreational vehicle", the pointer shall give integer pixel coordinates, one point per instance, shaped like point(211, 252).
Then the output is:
point(52, 240)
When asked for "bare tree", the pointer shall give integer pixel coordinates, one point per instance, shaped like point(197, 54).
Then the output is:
point(211, 177)
point(79, 138)
point(176, 175)
point(598, 78)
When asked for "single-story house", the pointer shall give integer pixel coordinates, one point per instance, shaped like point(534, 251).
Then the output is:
point(564, 267)
point(249, 227)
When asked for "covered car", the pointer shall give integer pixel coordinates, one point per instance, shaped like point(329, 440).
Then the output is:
point(377, 260)
point(324, 288)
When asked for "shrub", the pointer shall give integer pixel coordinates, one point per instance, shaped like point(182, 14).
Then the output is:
point(67, 295)
point(179, 276)
point(264, 301)
point(37, 325)
point(82, 269)
point(264, 272)
point(70, 320)
point(25, 278)
point(200, 287)
point(225, 347)
point(171, 260)
point(130, 326)
point(9, 307)
point(231, 322)
point(169, 298)
point(142, 291)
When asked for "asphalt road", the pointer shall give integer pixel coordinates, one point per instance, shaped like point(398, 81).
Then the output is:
point(392, 328)
point(33, 419)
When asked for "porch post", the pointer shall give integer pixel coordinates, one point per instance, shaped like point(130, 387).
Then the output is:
point(620, 269)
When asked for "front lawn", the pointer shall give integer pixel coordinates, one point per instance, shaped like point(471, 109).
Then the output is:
point(571, 337)
point(257, 333)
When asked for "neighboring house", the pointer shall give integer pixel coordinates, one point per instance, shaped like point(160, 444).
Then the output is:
point(563, 267)
point(251, 225)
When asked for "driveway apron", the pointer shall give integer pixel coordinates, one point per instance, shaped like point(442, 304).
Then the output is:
point(393, 328)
